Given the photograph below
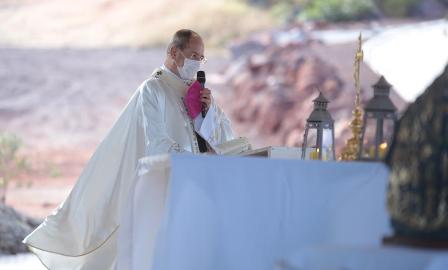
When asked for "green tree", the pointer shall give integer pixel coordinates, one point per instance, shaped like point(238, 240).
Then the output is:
point(396, 8)
point(338, 10)
point(11, 164)
point(287, 10)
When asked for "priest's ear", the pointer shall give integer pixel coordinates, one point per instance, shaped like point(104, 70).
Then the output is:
point(172, 51)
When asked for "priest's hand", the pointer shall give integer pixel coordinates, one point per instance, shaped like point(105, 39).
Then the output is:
point(206, 98)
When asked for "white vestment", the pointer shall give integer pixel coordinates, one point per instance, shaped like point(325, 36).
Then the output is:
point(81, 233)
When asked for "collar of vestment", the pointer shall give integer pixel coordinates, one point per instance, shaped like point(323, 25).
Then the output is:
point(177, 84)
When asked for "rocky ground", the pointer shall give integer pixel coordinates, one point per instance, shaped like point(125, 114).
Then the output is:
point(14, 227)
point(278, 74)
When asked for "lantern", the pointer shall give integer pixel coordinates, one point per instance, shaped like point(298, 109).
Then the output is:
point(318, 140)
point(379, 123)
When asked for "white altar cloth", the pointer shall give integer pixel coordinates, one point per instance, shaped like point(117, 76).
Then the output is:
point(366, 258)
point(214, 212)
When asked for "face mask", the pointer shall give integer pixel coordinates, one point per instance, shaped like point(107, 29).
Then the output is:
point(189, 69)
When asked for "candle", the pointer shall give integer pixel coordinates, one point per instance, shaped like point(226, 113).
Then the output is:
point(314, 155)
point(383, 150)
point(372, 152)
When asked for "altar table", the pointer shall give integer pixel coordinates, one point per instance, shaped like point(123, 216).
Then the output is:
point(245, 213)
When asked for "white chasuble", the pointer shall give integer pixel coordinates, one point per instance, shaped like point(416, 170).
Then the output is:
point(81, 233)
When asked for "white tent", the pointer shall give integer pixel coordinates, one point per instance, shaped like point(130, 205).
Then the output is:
point(410, 57)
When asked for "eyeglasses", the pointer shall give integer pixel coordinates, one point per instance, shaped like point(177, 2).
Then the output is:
point(196, 56)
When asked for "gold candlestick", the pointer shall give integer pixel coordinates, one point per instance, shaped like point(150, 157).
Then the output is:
point(351, 149)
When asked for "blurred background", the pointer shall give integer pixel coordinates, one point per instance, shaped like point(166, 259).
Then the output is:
point(67, 68)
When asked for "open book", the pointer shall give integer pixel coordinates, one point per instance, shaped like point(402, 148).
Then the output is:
point(232, 147)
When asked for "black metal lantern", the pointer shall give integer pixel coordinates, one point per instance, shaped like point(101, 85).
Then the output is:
point(379, 123)
point(318, 140)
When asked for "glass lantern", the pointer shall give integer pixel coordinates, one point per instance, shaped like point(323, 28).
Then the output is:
point(318, 140)
point(379, 123)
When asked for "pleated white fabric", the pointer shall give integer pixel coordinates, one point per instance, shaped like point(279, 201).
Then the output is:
point(81, 233)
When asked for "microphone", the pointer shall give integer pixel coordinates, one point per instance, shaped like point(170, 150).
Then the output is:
point(200, 76)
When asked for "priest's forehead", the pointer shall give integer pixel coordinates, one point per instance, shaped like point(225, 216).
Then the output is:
point(195, 45)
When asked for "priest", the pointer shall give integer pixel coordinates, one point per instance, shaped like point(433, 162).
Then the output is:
point(81, 233)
